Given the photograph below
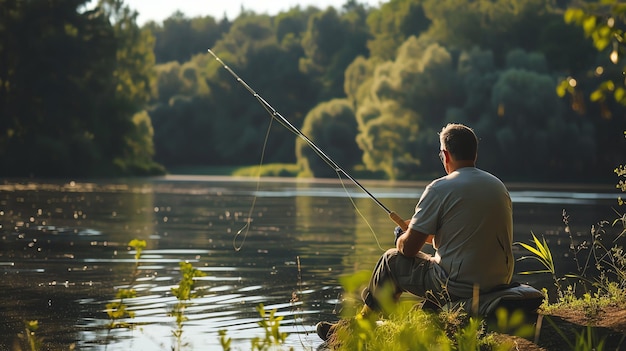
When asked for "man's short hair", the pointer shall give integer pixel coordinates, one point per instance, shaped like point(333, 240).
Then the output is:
point(460, 141)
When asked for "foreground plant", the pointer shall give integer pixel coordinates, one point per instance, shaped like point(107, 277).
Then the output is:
point(273, 338)
point(271, 325)
point(184, 292)
point(542, 253)
point(32, 341)
point(118, 309)
point(405, 327)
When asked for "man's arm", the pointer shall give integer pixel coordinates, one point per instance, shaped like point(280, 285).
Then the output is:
point(411, 242)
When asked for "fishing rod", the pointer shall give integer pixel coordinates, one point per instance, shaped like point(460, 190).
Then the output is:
point(277, 116)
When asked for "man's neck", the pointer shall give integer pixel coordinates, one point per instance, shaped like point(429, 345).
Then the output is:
point(461, 164)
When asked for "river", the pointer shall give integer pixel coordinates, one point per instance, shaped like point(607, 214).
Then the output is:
point(64, 253)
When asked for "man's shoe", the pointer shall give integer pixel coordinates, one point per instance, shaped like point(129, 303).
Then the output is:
point(325, 330)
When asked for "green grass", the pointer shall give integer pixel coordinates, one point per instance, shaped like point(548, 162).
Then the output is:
point(203, 170)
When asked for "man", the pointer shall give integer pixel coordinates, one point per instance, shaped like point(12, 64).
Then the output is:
point(467, 216)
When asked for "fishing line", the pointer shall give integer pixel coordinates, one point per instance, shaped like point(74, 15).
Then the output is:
point(283, 121)
point(356, 208)
point(246, 227)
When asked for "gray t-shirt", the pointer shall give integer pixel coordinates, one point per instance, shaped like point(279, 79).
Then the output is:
point(469, 212)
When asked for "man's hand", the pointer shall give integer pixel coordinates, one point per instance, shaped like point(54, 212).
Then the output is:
point(411, 242)
point(397, 232)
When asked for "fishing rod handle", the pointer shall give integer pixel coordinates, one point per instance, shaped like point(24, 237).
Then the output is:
point(398, 220)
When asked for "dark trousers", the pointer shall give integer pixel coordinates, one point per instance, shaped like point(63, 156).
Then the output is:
point(395, 274)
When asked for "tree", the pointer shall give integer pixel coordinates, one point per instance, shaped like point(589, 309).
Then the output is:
point(332, 127)
point(388, 132)
point(179, 37)
point(71, 86)
point(252, 50)
point(183, 136)
point(403, 104)
point(331, 42)
point(392, 24)
point(133, 79)
point(291, 25)
point(356, 77)
point(500, 25)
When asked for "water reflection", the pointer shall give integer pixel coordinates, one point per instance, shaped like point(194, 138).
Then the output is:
point(63, 253)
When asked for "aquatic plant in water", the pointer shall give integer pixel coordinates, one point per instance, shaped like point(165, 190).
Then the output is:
point(117, 309)
point(184, 292)
point(273, 338)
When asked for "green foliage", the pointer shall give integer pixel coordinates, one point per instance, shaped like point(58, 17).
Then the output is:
point(406, 98)
point(138, 245)
point(140, 149)
point(602, 276)
point(29, 338)
point(401, 104)
point(489, 64)
point(271, 325)
point(602, 22)
point(514, 323)
point(184, 292)
point(392, 24)
point(271, 170)
point(224, 341)
point(621, 183)
point(133, 78)
point(542, 253)
point(186, 287)
point(606, 32)
point(357, 75)
point(384, 136)
point(406, 328)
point(179, 38)
point(333, 128)
point(501, 25)
point(117, 309)
point(239, 124)
point(585, 340)
point(331, 41)
point(182, 132)
point(71, 114)
point(273, 337)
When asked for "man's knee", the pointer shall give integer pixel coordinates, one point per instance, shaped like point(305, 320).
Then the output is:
point(390, 253)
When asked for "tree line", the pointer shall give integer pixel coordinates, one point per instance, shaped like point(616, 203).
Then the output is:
point(89, 92)
point(74, 83)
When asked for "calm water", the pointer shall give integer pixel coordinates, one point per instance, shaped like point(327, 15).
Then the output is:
point(64, 254)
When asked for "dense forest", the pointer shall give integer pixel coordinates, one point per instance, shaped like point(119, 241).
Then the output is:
point(86, 91)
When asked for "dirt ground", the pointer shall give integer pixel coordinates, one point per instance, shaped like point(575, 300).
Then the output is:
point(560, 330)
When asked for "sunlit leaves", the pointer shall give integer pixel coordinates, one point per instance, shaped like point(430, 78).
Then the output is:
point(33, 341)
point(598, 20)
point(419, 85)
point(185, 291)
point(138, 245)
point(385, 138)
point(186, 286)
point(332, 127)
point(542, 253)
point(118, 309)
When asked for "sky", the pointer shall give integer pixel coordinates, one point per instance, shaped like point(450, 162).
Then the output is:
point(159, 10)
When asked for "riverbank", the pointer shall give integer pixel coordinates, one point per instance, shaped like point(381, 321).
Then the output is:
point(573, 326)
